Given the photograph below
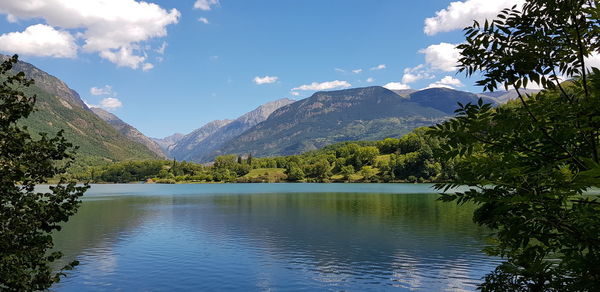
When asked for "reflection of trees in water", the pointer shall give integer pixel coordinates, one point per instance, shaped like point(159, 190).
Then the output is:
point(338, 232)
point(331, 237)
point(100, 222)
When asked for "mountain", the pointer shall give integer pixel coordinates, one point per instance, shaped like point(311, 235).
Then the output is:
point(129, 131)
point(166, 143)
point(370, 113)
point(187, 144)
point(503, 96)
point(403, 92)
point(200, 144)
point(59, 107)
point(446, 99)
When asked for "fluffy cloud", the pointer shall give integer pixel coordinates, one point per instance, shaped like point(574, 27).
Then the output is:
point(447, 82)
point(265, 80)
point(593, 61)
point(370, 80)
point(203, 20)
point(125, 57)
point(396, 86)
point(294, 93)
point(379, 67)
point(357, 71)
point(461, 14)
point(324, 85)
point(205, 4)
point(417, 73)
point(112, 28)
point(443, 56)
point(40, 40)
point(105, 90)
point(110, 103)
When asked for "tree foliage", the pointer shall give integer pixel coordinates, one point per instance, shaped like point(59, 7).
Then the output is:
point(528, 164)
point(28, 217)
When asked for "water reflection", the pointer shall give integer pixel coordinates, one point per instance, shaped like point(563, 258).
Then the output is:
point(273, 241)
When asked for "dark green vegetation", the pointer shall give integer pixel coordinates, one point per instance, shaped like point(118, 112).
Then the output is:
point(59, 107)
point(27, 217)
point(528, 163)
point(409, 158)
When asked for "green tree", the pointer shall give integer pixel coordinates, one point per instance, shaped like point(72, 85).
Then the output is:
point(294, 172)
point(529, 163)
point(347, 171)
point(28, 217)
point(368, 172)
point(321, 169)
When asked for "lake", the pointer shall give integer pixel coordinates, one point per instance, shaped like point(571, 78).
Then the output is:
point(272, 237)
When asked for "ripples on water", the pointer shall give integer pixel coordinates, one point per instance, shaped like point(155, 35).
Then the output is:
point(237, 237)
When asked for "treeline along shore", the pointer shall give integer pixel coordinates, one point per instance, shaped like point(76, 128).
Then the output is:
point(410, 158)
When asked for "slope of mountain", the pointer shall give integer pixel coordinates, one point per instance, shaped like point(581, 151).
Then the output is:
point(59, 107)
point(369, 113)
point(166, 143)
point(503, 96)
point(198, 147)
point(187, 144)
point(445, 99)
point(129, 131)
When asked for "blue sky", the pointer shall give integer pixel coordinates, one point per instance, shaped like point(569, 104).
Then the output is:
point(176, 65)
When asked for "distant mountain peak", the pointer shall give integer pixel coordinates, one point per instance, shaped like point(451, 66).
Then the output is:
point(198, 145)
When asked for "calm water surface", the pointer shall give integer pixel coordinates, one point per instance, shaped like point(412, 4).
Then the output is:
point(272, 237)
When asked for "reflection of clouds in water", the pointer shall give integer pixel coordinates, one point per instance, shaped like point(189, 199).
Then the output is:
point(406, 271)
point(456, 275)
point(274, 241)
point(330, 273)
point(100, 263)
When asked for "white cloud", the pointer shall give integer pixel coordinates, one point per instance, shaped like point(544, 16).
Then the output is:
point(396, 86)
point(324, 85)
point(379, 67)
point(370, 80)
point(105, 90)
point(112, 28)
point(11, 18)
point(147, 67)
point(417, 73)
point(357, 71)
point(110, 103)
point(123, 57)
point(294, 93)
point(203, 20)
point(162, 48)
point(339, 70)
point(40, 40)
point(460, 14)
point(593, 61)
point(205, 4)
point(265, 80)
point(447, 82)
point(443, 56)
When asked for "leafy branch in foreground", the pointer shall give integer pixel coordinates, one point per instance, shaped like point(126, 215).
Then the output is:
point(529, 163)
point(27, 217)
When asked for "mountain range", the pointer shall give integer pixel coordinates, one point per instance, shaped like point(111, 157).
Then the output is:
point(280, 127)
point(59, 107)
